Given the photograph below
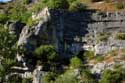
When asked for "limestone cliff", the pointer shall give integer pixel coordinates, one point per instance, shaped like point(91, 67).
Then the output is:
point(72, 32)
point(81, 30)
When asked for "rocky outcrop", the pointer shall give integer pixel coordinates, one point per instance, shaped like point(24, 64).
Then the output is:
point(79, 31)
point(14, 27)
point(38, 74)
point(29, 35)
point(32, 37)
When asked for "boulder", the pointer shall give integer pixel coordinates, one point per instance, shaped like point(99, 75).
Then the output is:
point(15, 27)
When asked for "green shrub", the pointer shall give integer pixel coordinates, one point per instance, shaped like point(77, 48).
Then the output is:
point(120, 36)
point(3, 18)
point(27, 80)
point(46, 53)
point(77, 6)
point(51, 4)
point(15, 79)
point(58, 4)
point(110, 76)
point(88, 54)
point(20, 13)
point(87, 77)
point(38, 6)
point(103, 36)
point(119, 5)
point(75, 62)
point(31, 22)
point(49, 77)
point(67, 77)
point(99, 58)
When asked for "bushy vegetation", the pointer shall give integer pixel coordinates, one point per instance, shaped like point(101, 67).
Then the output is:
point(7, 51)
point(46, 53)
point(50, 77)
point(99, 58)
point(75, 62)
point(120, 36)
point(120, 5)
point(58, 4)
point(3, 18)
point(20, 13)
point(77, 6)
point(103, 36)
point(72, 5)
point(88, 77)
point(51, 4)
point(115, 76)
point(88, 55)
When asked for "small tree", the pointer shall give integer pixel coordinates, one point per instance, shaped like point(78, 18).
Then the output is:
point(3, 17)
point(49, 77)
point(120, 5)
point(111, 77)
point(7, 51)
point(75, 62)
point(120, 36)
point(88, 54)
point(77, 6)
point(68, 77)
point(58, 4)
point(15, 79)
point(46, 53)
point(88, 77)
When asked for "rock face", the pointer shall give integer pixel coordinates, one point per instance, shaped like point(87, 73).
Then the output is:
point(72, 32)
point(80, 31)
point(30, 36)
point(14, 27)
point(38, 74)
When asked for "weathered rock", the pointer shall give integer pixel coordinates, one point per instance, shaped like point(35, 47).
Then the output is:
point(28, 36)
point(86, 26)
point(14, 27)
point(37, 75)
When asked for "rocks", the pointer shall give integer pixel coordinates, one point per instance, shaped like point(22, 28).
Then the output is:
point(15, 27)
point(28, 36)
point(32, 37)
point(44, 14)
point(91, 23)
point(37, 75)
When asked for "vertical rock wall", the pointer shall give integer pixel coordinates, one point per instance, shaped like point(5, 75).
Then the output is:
point(79, 31)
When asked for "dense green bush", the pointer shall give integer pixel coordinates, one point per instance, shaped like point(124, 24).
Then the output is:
point(120, 5)
point(46, 53)
point(19, 12)
point(87, 77)
point(103, 36)
point(49, 77)
point(15, 79)
point(7, 51)
point(77, 6)
point(75, 62)
point(51, 4)
point(68, 77)
point(120, 36)
point(99, 58)
point(88, 54)
point(3, 18)
point(109, 76)
point(58, 4)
